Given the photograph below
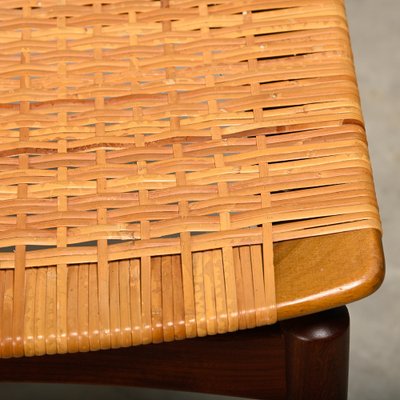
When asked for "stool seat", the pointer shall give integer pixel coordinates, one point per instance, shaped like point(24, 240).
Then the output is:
point(178, 168)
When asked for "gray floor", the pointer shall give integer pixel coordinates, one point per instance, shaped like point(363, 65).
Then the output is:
point(375, 340)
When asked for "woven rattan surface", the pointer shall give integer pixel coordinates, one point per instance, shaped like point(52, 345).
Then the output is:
point(152, 152)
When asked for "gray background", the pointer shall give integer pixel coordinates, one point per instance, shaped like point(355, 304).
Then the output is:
point(375, 335)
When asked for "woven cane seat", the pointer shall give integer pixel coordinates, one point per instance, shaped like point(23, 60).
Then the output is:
point(172, 169)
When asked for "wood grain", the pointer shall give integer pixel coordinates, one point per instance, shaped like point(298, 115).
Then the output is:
point(315, 274)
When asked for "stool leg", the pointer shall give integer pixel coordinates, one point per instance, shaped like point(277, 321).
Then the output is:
point(317, 355)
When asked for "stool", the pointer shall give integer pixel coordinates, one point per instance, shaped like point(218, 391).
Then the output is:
point(179, 169)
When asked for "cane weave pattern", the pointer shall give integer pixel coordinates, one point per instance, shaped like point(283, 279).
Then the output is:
point(151, 153)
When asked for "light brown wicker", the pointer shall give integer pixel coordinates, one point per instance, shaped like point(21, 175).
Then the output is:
point(151, 153)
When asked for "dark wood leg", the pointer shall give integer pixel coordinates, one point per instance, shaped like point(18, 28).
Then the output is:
point(317, 356)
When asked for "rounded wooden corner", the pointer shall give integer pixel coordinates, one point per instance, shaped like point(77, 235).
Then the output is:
point(324, 326)
point(319, 273)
